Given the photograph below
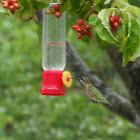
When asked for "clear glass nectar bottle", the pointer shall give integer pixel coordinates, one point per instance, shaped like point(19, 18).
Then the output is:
point(54, 41)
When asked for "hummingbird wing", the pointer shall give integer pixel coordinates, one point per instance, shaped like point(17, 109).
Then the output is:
point(90, 94)
point(99, 96)
point(89, 91)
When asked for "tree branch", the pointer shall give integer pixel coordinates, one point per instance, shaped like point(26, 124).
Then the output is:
point(130, 75)
point(121, 106)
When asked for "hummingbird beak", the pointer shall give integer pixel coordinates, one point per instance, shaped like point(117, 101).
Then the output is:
point(77, 78)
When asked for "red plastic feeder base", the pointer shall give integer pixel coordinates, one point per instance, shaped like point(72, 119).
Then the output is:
point(52, 83)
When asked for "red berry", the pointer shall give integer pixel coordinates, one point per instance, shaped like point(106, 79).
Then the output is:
point(10, 2)
point(87, 27)
point(91, 12)
point(80, 22)
point(79, 29)
point(75, 27)
point(111, 19)
point(115, 24)
point(15, 1)
point(116, 18)
point(11, 7)
point(4, 2)
point(88, 33)
point(114, 29)
point(57, 7)
point(12, 11)
point(17, 6)
point(80, 35)
point(5, 5)
point(57, 14)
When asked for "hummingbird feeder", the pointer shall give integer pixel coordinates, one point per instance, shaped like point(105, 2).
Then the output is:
point(54, 79)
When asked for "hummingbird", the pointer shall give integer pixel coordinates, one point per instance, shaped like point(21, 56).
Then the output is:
point(92, 92)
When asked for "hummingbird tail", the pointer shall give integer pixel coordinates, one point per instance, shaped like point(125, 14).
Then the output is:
point(107, 103)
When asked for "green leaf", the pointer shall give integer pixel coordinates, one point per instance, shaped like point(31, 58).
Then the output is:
point(24, 3)
point(63, 7)
point(126, 7)
point(131, 43)
point(107, 2)
point(84, 11)
point(28, 12)
point(93, 20)
point(40, 4)
point(120, 4)
point(73, 5)
point(136, 54)
point(98, 1)
point(133, 10)
point(134, 2)
point(101, 4)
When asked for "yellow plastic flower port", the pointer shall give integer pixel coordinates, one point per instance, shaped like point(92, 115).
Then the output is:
point(67, 79)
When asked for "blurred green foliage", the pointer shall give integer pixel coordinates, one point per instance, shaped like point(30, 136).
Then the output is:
point(27, 115)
